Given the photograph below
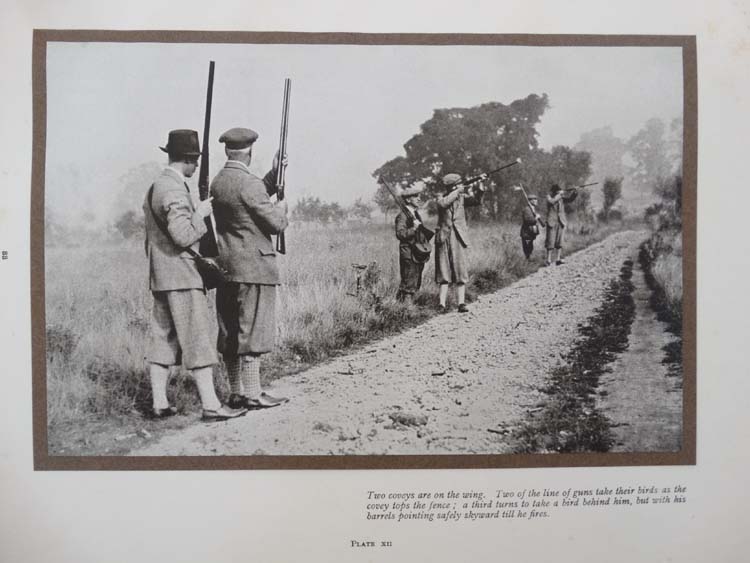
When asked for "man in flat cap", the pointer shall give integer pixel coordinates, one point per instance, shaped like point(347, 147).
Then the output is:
point(556, 221)
point(529, 226)
point(413, 249)
point(451, 239)
point(180, 320)
point(246, 305)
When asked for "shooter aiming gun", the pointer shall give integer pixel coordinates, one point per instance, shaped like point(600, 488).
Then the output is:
point(464, 184)
point(570, 190)
point(281, 239)
point(207, 246)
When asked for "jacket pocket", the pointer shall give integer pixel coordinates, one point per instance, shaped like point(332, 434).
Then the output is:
point(266, 252)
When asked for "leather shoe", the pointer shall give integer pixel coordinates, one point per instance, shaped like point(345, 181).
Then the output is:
point(237, 401)
point(462, 308)
point(559, 262)
point(162, 413)
point(265, 401)
point(224, 412)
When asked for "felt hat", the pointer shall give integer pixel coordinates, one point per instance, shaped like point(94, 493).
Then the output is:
point(238, 138)
point(182, 142)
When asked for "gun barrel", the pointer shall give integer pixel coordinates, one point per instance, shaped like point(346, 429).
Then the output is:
point(204, 169)
point(281, 170)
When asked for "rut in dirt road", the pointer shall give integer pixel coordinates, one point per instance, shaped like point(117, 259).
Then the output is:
point(455, 384)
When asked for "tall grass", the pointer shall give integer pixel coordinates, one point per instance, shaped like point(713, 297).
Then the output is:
point(661, 256)
point(98, 309)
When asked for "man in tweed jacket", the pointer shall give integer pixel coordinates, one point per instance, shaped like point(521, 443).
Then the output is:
point(246, 305)
point(180, 321)
point(452, 240)
point(556, 221)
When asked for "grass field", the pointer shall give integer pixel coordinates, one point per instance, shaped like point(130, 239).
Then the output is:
point(98, 310)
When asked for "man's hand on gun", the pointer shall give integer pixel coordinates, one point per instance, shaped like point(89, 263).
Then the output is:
point(205, 207)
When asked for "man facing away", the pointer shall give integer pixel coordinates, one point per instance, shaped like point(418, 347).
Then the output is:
point(529, 226)
point(413, 249)
point(246, 305)
point(556, 221)
point(180, 320)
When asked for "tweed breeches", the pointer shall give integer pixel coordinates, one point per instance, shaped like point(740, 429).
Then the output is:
point(247, 318)
point(181, 329)
point(554, 237)
point(451, 264)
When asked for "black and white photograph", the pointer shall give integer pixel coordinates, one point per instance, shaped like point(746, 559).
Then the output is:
point(341, 250)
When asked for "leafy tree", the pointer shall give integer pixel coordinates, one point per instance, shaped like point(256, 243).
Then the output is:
point(607, 152)
point(469, 141)
point(612, 191)
point(650, 152)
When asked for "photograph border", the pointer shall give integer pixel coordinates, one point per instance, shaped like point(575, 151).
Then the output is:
point(44, 461)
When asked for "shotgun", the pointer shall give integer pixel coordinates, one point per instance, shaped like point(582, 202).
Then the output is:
point(207, 246)
point(463, 184)
point(528, 203)
point(427, 233)
point(281, 239)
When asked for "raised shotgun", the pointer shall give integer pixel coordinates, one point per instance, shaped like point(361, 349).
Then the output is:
point(281, 239)
point(463, 184)
point(207, 246)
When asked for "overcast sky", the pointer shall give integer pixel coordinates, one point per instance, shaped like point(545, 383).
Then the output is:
point(110, 105)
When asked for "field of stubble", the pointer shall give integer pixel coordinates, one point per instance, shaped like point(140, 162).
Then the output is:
point(98, 310)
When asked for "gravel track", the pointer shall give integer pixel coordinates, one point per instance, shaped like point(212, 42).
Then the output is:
point(434, 389)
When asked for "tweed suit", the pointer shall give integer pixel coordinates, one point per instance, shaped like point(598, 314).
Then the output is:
point(410, 268)
point(180, 322)
point(529, 230)
point(556, 219)
point(245, 220)
point(451, 237)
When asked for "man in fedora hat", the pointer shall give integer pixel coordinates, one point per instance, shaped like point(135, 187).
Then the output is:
point(180, 321)
point(529, 226)
point(451, 239)
point(413, 249)
point(246, 305)
point(556, 221)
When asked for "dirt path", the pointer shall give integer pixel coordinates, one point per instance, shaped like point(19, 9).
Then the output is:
point(445, 383)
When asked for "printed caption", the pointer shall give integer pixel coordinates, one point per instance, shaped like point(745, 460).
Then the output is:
point(505, 504)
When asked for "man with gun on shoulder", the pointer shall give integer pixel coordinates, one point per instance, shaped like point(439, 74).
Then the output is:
point(246, 304)
point(414, 243)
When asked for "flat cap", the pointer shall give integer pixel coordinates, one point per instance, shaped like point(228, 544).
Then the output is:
point(450, 179)
point(532, 196)
point(238, 138)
